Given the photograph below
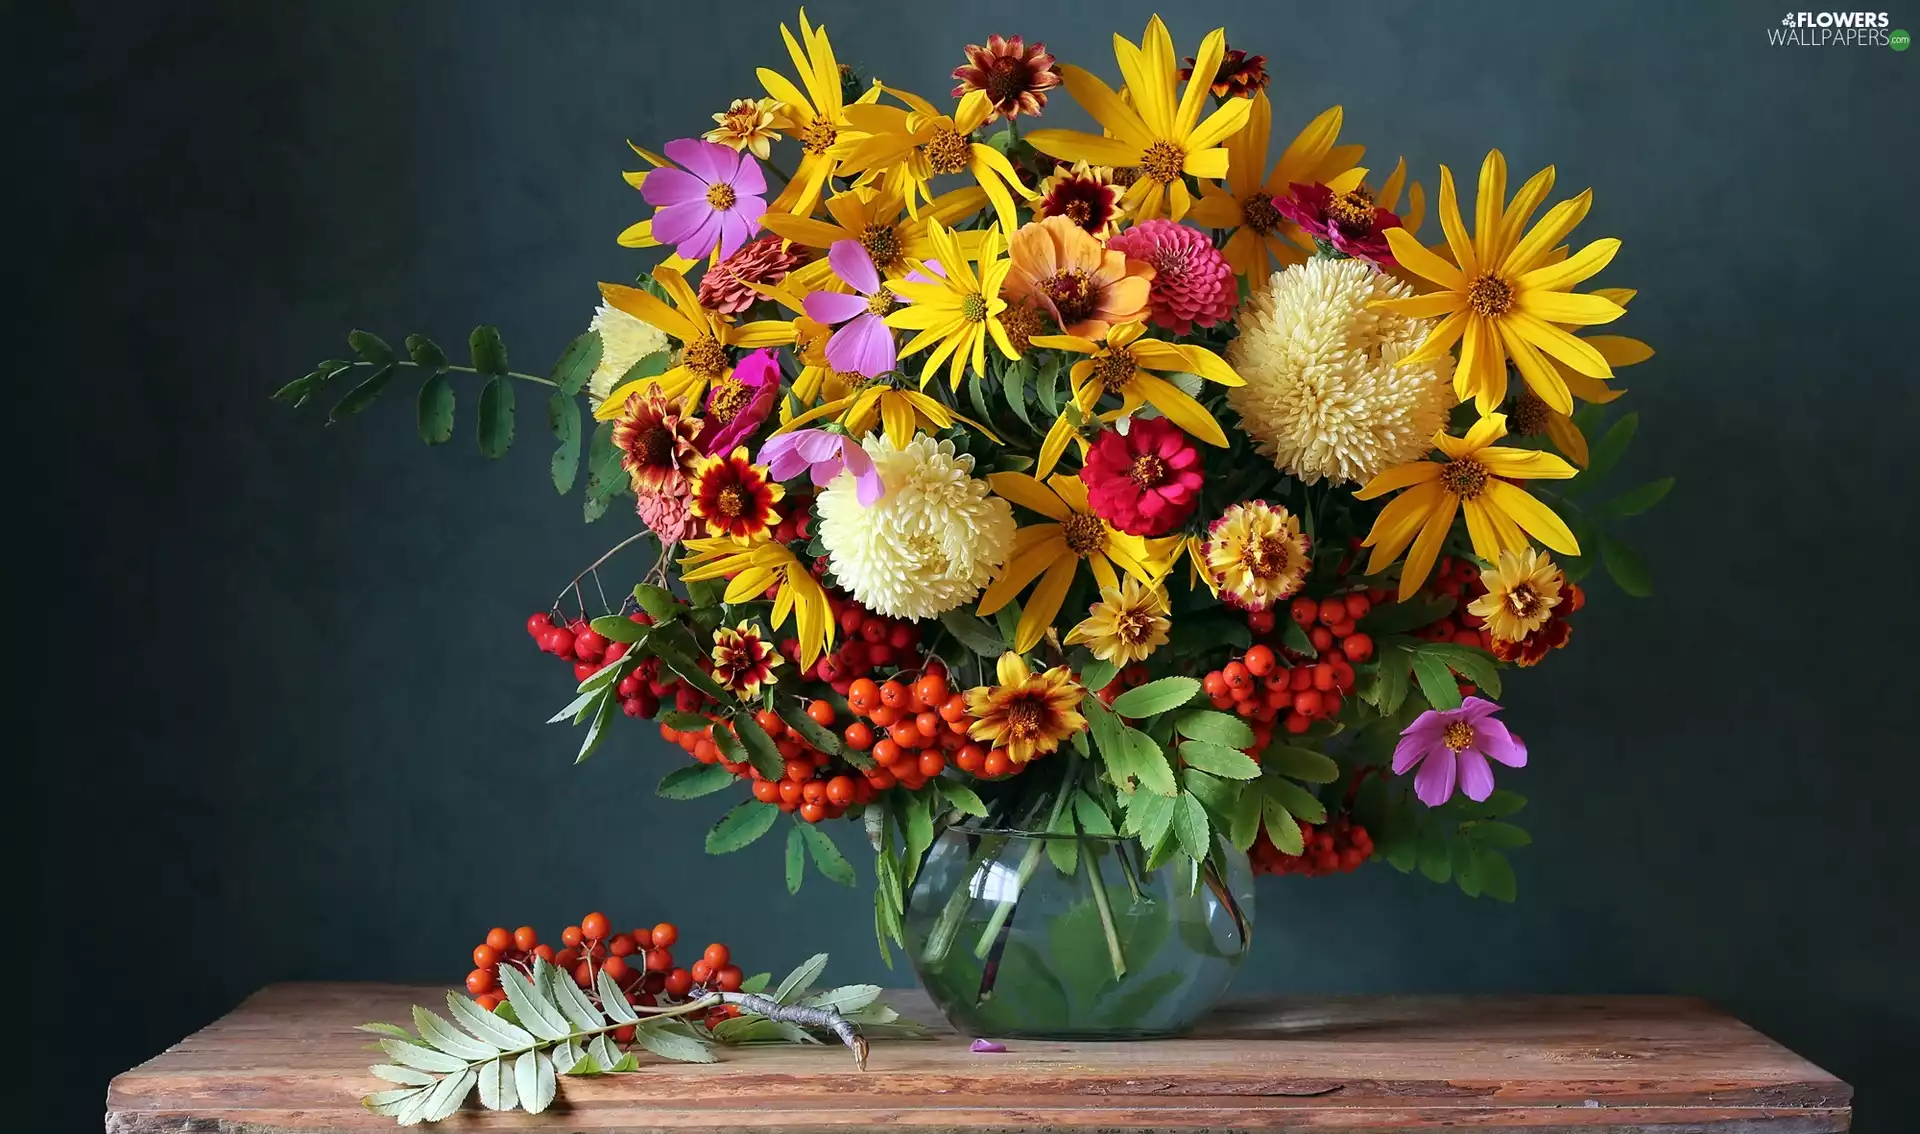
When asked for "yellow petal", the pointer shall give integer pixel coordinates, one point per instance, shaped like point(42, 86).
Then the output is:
point(1533, 249)
point(1231, 116)
point(1485, 432)
point(1540, 375)
point(1206, 64)
point(1455, 229)
point(1480, 529)
point(1106, 107)
point(1177, 406)
point(645, 307)
point(1440, 340)
point(1570, 307)
point(1566, 437)
point(1072, 145)
point(1523, 464)
point(1046, 544)
point(1011, 669)
point(1397, 524)
point(1055, 444)
point(1021, 489)
point(1535, 518)
point(1575, 352)
point(1619, 350)
point(1398, 477)
point(1073, 343)
point(1044, 603)
point(637, 236)
point(1514, 221)
point(1433, 534)
point(1578, 267)
point(897, 416)
point(1071, 490)
point(1488, 206)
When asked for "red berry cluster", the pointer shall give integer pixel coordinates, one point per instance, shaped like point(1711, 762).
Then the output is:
point(642, 692)
point(912, 727)
point(1266, 684)
point(640, 962)
point(1458, 579)
point(1339, 845)
point(811, 782)
point(868, 643)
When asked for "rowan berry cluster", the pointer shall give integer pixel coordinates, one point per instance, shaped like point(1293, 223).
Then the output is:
point(642, 692)
point(1340, 845)
point(913, 727)
point(639, 961)
point(1266, 684)
point(869, 643)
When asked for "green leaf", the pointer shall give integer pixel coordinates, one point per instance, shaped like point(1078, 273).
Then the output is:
point(572, 1002)
point(963, 798)
point(1389, 688)
point(434, 414)
point(1097, 675)
point(1294, 637)
point(833, 865)
point(685, 722)
point(796, 859)
point(1156, 697)
point(694, 781)
point(1299, 802)
point(756, 984)
point(648, 366)
point(846, 998)
point(655, 1036)
point(1149, 816)
point(1606, 454)
point(530, 1005)
point(1471, 662)
point(426, 354)
point(1503, 801)
point(604, 474)
point(810, 730)
point(576, 364)
point(1400, 617)
point(496, 1085)
point(370, 347)
point(1282, 830)
point(534, 1081)
point(1216, 727)
point(687, 669)
point(1092, 817)
point(1064, 853)
point(741, 826)
point(1244, 823)
point(1190, 826)
point(1436, 861)
point(421, 1057)
point(1007, 618)
point(658, 602)
point(1436, 681)
point(1015, 382)
point(1219, 760)
point(1147, 763)
point(1493, 833)
point(1636, 500)
point(1300, 763)
point(489, 353)
point(489, 1026)
point(362, 395)
point(596, 731)
point(762, 752)
point(436, 1031)
point(1495, 874)
point(801, 979)
point(496, 416)
point(613, 1001)
point(977, 396)
point(1625, 566)
point(1464, 875)
point(973, 633)
point(619, 628)
point(563, 417)
point(1047, 387)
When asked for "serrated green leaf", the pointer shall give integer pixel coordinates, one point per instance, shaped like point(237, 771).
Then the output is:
point(1464, 875)
point(420, 1057)
point(1283, 831)
point(685, 722)
point(1503, 801)
point(687, 669)
point(973, 633)
point(810, 730)
point(383, 1029)
point(1495, 874)
point(741, 826)
point(1638, 499)
point(1294, 637)
point(1436, 861)
point(1014, 381)
point(534, 1081)
point(620, 628)
point(1064, 853)
point(405, 1076)
point(572, 1002)
point(438, 1032)
point(963, 799)
point(796, 859)
point(1092, 817)
point(597, 725)
point(426, 354)
point(530, 1005)
point(1389, 689)
point(1243, 827)
point(801, 978)
point(447, 1095)
point(827, 859)
point(496, 1085)
point(1493, 833)
point(1476, 665)
point(756, 984)
point(1151, 816)
point(1219, 760)
point(1190, 826)
point(495, 418)
point(1300, 763)
point(613, 1001)
point(1299, 802)
point(1629, 573)
point(489, 353)
point(563, 417)
point(370, 347)
point(1215, 727)
point(1156, 697)
point(694, 781)
point(433, 416)
point(362, 395)
point(847, 998)
point(1606, 453)
point(502, 1034)
point(605, 476)
point(762, 752)
point(1400, 617)
point(647, 366)
point(1147, 763)
point(1047, 385)
point(658, 602)
point(1097, 675)
point(1437, 682)
point(576, 364)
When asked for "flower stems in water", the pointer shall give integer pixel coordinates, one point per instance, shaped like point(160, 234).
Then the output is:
point(1090, 858)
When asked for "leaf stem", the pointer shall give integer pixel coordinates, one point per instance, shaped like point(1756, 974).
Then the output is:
point(1028, 862)
point(1089, 858)
point(470, 370)
point(616, 549)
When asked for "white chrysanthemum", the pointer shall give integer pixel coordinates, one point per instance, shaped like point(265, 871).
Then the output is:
point(929, 544)
point(1325, 396)
point(624, 340)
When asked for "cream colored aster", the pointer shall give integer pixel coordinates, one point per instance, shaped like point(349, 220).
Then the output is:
point(624, 340)
point(1325, 396)
point(929, 544)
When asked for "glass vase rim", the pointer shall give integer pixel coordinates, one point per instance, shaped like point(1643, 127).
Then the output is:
point(1020, 833)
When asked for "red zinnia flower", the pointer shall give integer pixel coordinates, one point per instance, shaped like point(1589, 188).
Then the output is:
point(655, 437)
point(1192, 283)
point(764, 261)
point(1146, 482)
point(1016, 77)
point(734, 496)
point(1348, 221)
point(1240, 75)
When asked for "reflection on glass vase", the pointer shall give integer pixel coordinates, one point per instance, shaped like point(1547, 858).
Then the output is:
point(1071, 937)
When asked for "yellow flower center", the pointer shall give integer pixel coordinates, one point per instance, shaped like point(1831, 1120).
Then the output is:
point(1529, 415)
point(1162, 160)
point(1126, 175)
point(1021, 323)
point(1259, 214)
point(947, 150)
point(880, 302)
point(1458, 736)
point(1352, 210)
point(1465, 478)
point(1075, 294)
point(732, 501)
point(1079, 212)
point(1523, 601)
point(705, 357)
point(720, 196)
point(853, 380)
point(729, 397)
point(1132, 627)
point(1114, 369)
point(1025, 719)
point(1147, 471)
point(1084, 533)
point(1490, 295)
point(974, 308)
point(1267, 557)
point(883, 244)
point(819, 135)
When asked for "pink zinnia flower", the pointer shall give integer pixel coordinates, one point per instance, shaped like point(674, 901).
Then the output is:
point(1192, 282)
point(824, 454)
point(715, 199)
point(1146, 482)
point(1453, 745)
point(1349, 221)
point(725, 287)
point(865, 344)
point(668, 515)
point(738, 402)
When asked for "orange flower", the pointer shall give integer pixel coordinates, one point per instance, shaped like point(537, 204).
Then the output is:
point(734, 496)
point(1086, 288)
point(655, 436)
point(1026, 714)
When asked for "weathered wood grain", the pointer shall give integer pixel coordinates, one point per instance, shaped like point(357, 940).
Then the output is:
point(289, 1060)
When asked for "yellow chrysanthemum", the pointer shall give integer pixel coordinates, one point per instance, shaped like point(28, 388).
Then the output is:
point(1157, 128)
point(1126, 625)
point(1123, 366)
point(815, 117)
point(1522, 591)
point(1476, 477)
point(757, 566)
point(907, 149)
point(624, 340)
point(1256, 555)
point(1508, 297)
point(956, 309)
point(747, 124)
point(1026, 715)
point(705, 336)
point(1245, 202)
point(1053, 551)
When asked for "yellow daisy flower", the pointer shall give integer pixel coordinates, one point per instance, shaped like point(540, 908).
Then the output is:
point(1157, 128)
point(705, 336)
point(1508, 298)
point(747, 124)
point(816, 117)
point(1256, 555)
point(909, 148)
point(900, 412)
point(1476, 477)
point(1123, 366)
point(755, 567)
point(1522, 590)
point(1245, 202)
point(1126, 625)
point(1026, 715)
point(958, 308)
point(1531, 416)
point(1056, 548)
point(875, 216)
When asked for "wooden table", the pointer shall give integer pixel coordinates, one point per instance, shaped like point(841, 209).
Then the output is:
point(289, 1060)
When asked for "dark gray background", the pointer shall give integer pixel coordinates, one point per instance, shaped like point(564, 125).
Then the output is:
point(282, 718)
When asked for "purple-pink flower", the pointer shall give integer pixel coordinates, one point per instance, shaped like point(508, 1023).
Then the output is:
point(738, 402)
point(1452, 746)
point(824, 454)
point(715, 198)
point(864, 342)
point(1349, 221)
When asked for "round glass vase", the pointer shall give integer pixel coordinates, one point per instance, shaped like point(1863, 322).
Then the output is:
point(1071, 937)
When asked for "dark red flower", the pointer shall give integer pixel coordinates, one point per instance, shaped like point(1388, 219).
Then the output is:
point(1240, 75)
point(1147, 482)
point(1084, 194)
point(1016, 77)
point(1349, 221)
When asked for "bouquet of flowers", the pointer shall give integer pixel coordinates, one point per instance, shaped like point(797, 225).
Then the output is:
point(1159, 483)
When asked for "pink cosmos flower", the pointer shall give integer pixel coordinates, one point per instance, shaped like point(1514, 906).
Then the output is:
point(864, 342)
point(1349, 221)
point(824, 454)
point(1453, 745)
point(1146, 482)
point(716, 198)
point(1192, 281)
point(738, 402)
